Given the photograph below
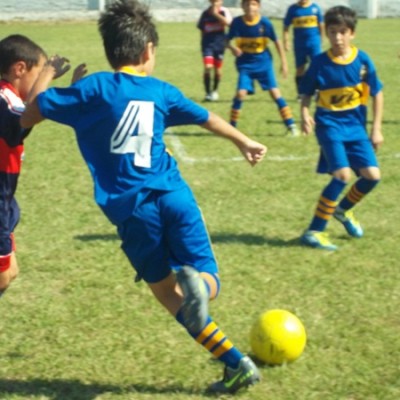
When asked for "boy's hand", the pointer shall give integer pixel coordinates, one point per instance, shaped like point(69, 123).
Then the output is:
point(79, 72)
point(236, 51)
point(253, 151)
point(59, 65)
point(376, 139)
point(307, 124)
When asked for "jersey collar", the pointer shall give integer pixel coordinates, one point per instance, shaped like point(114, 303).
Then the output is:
point(131, 71)
point(8, 85)
point(251, 23)
point(348, 60)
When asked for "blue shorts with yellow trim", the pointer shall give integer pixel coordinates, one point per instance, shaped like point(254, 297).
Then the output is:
point(337, 154)
point(265, 78)
point(165, 232)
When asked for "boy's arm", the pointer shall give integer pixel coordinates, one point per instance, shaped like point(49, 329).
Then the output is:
point(282, 56)
point(377, 111)
point(307, 121)
point(236, 51)
point(252, 151)
point(55, 67)
point(286, 39)
point(225, 19)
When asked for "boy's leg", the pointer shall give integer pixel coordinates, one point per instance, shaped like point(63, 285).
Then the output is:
point(244, 86)
point(8, 271)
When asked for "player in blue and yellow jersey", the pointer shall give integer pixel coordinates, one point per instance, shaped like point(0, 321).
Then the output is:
point(21, 60)
point(119, 120)
point(345, 78)
point(212, 24)
point(307, 20)
point(252, 34)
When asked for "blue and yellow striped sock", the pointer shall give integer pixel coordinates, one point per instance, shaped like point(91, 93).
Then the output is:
point(285, 111)
point(326, 205)
point(235, 111)
point(215, 341)
point(357, 192)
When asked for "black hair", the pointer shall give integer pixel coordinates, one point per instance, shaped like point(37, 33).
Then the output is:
point(126, 28)
point(341, 15)
point(16, 48)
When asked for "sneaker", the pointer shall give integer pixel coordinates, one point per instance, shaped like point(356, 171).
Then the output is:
point(246, 374)
point(350, 223)
point(319, 240)
point(293, 131)
point(195, 298)
point(214, 96)
point(208, 97)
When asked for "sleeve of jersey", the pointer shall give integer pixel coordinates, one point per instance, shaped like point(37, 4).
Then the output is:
point(373, 81)
point(232, 30)
point(183, 111)
point(270, 31)
point(10, 129)
point(320, 15)
point(61, 105)
point(288, 18)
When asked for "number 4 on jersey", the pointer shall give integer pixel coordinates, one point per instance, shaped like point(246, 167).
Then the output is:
point(134, 132)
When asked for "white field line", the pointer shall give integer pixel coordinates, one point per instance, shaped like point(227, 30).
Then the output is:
point(179, 151)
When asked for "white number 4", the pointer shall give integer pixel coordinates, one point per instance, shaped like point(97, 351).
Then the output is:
point(134, 132)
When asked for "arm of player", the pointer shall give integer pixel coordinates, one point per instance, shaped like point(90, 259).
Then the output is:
point(282, 56)
point(54, 68)
point(377, 115)
point(252, 151)
point(215, 11)
point(286, 41)
point(307, 121)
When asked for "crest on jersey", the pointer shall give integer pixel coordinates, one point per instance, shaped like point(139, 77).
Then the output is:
point(363, 73)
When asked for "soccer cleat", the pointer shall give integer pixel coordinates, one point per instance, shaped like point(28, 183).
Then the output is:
point(293, 131)
point(195, 299)
point(246, 374)
point(214, 96)
point(350, 223)
point(208, 97)
point(318, 240)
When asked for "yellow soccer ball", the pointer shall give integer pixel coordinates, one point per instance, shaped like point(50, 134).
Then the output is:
point(277, 337)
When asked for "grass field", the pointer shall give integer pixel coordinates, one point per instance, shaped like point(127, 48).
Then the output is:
point(74, 326)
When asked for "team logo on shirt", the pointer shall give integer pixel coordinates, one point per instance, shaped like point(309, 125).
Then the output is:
point(345, 98)
point(363, 73)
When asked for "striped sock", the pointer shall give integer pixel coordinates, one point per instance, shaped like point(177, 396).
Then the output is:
point(215, 341)
point(357, 192)
point(326, 205)
point(235, 111)
point(285, 111)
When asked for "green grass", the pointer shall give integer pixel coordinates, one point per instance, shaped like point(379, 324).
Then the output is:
point(74, 326)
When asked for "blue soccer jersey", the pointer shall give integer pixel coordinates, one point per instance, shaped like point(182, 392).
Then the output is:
point(119, 120)
point(253, 39)
point(305, 21)
point(344, 87)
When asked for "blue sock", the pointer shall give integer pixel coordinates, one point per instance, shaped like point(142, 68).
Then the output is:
point(215, 341)
point(357, 192)
point(326, 205)
point(285, 111)
point(235, 111)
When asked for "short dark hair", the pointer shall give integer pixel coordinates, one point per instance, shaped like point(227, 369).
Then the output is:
point(126, 28)
point(16, 48)
point(341, 15)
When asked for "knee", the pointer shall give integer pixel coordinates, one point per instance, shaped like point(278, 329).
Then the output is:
point(372, 174)
point(343, 175)
point(213, 284)
point(241, 95)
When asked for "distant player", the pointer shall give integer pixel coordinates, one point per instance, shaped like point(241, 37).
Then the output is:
point(345, 77)
point(308, 27)
point(119, 119)
point(249, 38)
point(212, 24)
point(21, 61)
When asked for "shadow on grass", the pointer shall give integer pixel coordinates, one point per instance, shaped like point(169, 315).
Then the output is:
point(59, 389)
point(251, 239)
point(97, 236)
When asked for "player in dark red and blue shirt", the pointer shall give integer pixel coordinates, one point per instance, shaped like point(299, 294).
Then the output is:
point(212, 24)
point(21, 61)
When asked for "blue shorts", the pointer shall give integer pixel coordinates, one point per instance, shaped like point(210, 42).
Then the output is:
point(165, 232)
point(304, 53)
point(337, 155)
point(265, 78)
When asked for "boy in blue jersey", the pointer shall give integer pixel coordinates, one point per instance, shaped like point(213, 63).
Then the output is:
point(307, 20)
point(21, 61)
point(252, 33)
point(212, 25)
point(119, 119)
point(345, 77)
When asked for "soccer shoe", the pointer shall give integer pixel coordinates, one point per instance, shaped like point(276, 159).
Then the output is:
point(214, 96)
point(350, 223)
point(195, 299)
point(246, 374)
point(293, 131)
point(208, 97)
point(318, 240)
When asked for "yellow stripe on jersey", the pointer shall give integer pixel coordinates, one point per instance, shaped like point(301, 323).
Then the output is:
point(307, 21)
point(253, 45)
point(344, 98)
